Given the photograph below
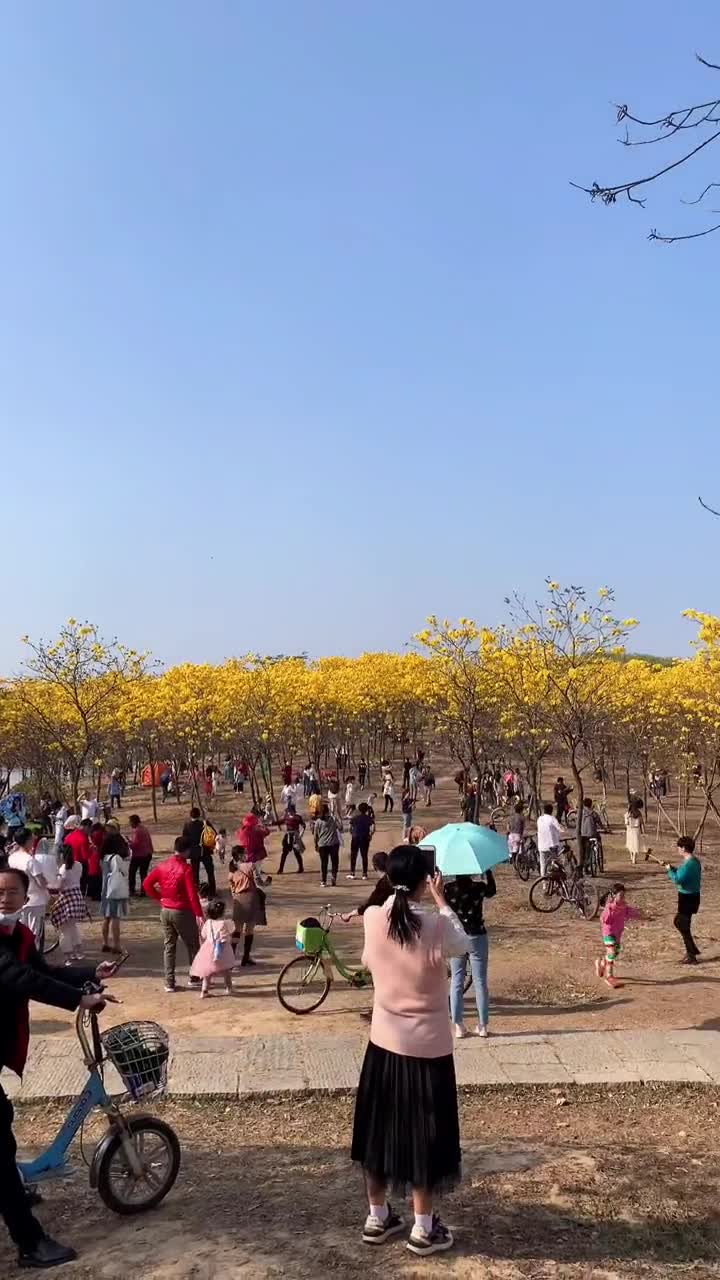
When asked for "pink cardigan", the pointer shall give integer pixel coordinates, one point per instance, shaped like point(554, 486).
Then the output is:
point(410, 1009)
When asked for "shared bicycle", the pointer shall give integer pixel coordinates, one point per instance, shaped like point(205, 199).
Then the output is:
point(304, 982)
point(136, 1161)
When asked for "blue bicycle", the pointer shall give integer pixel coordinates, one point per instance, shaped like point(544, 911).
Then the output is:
point(136, 1162)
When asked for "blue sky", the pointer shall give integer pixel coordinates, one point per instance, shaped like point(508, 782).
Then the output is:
point(304, 334)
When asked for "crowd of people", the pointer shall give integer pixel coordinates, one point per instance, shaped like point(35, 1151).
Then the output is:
point(50, 869)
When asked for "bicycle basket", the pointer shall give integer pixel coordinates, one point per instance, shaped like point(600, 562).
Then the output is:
point(309, 935)
point(139, 1052)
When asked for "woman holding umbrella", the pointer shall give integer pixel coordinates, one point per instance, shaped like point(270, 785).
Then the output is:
point(466, 897)
point(467, 851)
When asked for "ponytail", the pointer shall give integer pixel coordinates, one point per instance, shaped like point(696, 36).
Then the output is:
point(406, 871)
point(404, 923)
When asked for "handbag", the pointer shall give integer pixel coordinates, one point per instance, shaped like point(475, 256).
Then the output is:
point(118, 886)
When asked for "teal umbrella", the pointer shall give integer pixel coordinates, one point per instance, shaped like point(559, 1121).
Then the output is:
point(465, 849)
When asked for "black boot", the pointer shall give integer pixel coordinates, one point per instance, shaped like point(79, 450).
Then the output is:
point(46, 1253)
point(247, 947)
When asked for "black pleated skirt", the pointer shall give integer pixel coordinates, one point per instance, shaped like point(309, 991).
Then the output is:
point(406, 1131)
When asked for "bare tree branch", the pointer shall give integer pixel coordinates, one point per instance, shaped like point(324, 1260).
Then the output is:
point(695, 235)
point(712, 510)
point(701, 115)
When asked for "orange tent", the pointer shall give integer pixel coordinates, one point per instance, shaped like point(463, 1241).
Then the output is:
point(157, 769)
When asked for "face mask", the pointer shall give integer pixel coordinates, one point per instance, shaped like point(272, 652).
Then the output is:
point(9, 918)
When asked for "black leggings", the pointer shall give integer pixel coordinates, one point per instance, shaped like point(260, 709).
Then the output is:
point(329, 853)
point(205, 857)
point(359, 847)
point(23, 1227)
point(139, 866)
point(683, 923)
point(288, 847)
point(389, 804)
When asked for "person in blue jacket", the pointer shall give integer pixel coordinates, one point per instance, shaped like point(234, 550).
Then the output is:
point(688, 878)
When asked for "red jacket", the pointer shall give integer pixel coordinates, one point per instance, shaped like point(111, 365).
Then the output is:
point(79, 843)
point(24, 976)
point(172, 884)
point(251, 837)
point(140, 841)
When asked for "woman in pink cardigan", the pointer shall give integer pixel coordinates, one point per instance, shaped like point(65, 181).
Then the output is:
point(406, 1132)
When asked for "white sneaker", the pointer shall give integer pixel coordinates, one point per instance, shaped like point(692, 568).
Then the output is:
point(482, 1032)
point(350, 876)
point(461, 1032)
point(423, 1243)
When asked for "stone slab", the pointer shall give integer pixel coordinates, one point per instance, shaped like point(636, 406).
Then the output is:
point(708, 1060)
point(622, 1075)
point(652, 1046)
point(333, 1066)
point(56, 1079)
point(510, 1051)
point(203, 1076)
point(478, 1068)
point(539, 1073)
point(586, 1052)
point(677, 1072)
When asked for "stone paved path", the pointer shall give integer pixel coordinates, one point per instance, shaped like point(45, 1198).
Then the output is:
point(226, 1067)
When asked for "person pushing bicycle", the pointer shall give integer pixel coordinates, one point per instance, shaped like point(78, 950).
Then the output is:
point(25, 976)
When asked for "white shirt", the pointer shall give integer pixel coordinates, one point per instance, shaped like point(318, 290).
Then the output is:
point(70, 877)
point(549, 832)
point(349, 789)
point(287, 795)
point(47, 863)
point(22, 861)
point(89, 809)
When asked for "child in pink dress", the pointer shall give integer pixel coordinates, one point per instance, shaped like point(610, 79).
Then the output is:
point(216, 954)
point(614, 918)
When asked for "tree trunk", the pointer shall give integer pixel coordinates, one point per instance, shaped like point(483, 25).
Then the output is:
point(152, 779)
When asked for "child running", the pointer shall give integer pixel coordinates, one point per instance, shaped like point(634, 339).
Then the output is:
point(614, 918)
point(216, 955)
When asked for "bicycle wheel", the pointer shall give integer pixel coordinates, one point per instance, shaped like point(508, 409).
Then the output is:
point(600, 857)
point(157, 1148)
point(498, 813)
point(51, 937)
point(545, 894)
point(303, 984)
point(521, 865)
point(586, 899)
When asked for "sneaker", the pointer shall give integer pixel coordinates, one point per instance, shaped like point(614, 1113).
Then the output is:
point(46, 1253)
point(460, 1032)
point(170, 988)
point(364, 877)
point(613, 982)
point(600, 968)
point(424, 1243)
point(350, 876)
point(689, 960)
point(376, 1231)
point(482, 1032)
point(323, 884)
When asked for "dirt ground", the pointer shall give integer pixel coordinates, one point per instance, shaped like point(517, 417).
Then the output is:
point(600, 1186)
point(541, 968)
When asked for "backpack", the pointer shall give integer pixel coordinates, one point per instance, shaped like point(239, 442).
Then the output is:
point(208, 836)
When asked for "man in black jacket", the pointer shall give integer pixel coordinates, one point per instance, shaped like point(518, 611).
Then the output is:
point(25, 976)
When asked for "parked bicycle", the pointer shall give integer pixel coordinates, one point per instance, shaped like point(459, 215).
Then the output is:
point(304, 983)
point(595, 857)
point(136, 1162)
point(562, 883)
point(527, 859)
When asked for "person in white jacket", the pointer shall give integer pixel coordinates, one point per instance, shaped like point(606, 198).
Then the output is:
point(549, 835)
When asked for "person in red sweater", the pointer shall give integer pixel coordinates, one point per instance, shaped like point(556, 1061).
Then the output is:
point(172, 885)
point(141, 852)
point(77, 835)
point(251, 837)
